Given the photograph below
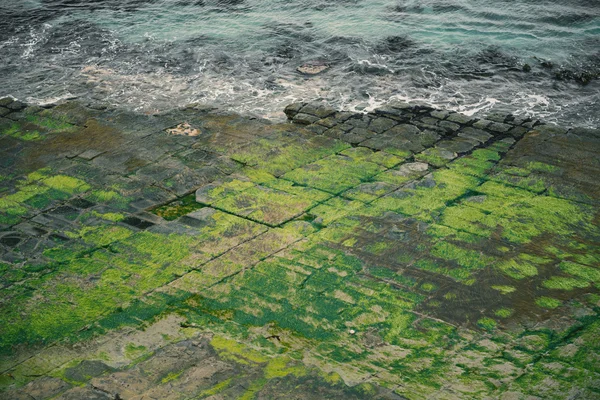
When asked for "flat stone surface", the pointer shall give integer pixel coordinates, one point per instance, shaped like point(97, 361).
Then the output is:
point(384, 255)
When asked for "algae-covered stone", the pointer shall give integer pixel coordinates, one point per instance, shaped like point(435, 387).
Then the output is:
point(405, 253)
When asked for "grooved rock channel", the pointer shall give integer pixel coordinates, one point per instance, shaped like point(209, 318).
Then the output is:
point(408, 253)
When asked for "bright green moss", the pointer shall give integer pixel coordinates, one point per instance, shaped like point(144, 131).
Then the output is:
point(280, 156)
point(530, 183)
point(104, 234)
point(547, 302)
point(368, 192)
point(504, 312)
point(114, 217)
point(66, 184)
point(51, 123)
point(465, 258)
point(471, 166)
point(280, 366)
point(581, 271)
point(18, 132)
point(398, 323)
point(171, 376)
point(434, 157)
point(232, 350)
point(428, 287)
point(133, 352)
point(523, 217)
point(176, 209)
point(265, 205)
point(541, 167)
point(518, 269)
point(218, 388)
point(516, 171)
point(486, 154)
point(504, 289)
point(563, 283)
point(367, 155)
point(334, 174)
point(107, 196)
point(487, 323)
point(253, 389)
point(425, 200)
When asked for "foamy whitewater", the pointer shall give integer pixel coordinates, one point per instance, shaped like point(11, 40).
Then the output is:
point(535, 57)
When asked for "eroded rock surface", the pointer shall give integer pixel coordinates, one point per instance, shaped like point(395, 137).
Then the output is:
point(405, 253)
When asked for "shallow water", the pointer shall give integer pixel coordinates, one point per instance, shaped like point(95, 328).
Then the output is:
point(243, 54)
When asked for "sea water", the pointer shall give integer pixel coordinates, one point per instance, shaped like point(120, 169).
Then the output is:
point(539, 58)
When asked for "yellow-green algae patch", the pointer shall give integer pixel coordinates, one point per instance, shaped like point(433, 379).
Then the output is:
point(547, 302)
point(18, 132)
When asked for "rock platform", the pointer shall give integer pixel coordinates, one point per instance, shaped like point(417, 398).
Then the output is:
point(407, 253)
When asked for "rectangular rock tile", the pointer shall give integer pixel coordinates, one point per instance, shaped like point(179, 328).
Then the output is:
point(334, 174)
point(161, 170)
point(246, 255)
point(437, 157)
point(122, 163)
point(403, 173)
point(428, 195)
point(222, 231)
point(378, 157)
point(270, 206)
point(367, 192)
point(457, 145)
point(90, 154)
point(382, 124)
point(187, 180)
point(334, 209)
point(475, 134)
point(282, 154)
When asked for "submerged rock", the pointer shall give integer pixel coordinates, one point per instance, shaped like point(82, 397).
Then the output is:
point(313, 68)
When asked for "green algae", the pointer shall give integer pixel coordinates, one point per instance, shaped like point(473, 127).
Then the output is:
point(216, 389)
point(171, 376)
point(279, 157)
point(51, 123)
point(547, 302)
point(133, 351)
point(362, 154)
point(70, 303)
point(334, 174)
point(504, 289)
point(265, 205)
point(39, 189)
point(465, 258)
point(114, 217)
point(504, 312)
point(428, 287)
point(177, 208)
point(66, 184)
point(564, 283)
point(542, 167)
point(280, 367)
point(18, 132)
point(487, 323)
point(424, 201)
point(581, 271)
point(434, 157)
point(518, 269)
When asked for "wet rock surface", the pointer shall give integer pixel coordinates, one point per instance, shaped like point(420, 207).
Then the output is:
point(404, 253)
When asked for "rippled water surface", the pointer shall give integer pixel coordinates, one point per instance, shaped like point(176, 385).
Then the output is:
point(537, 57)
